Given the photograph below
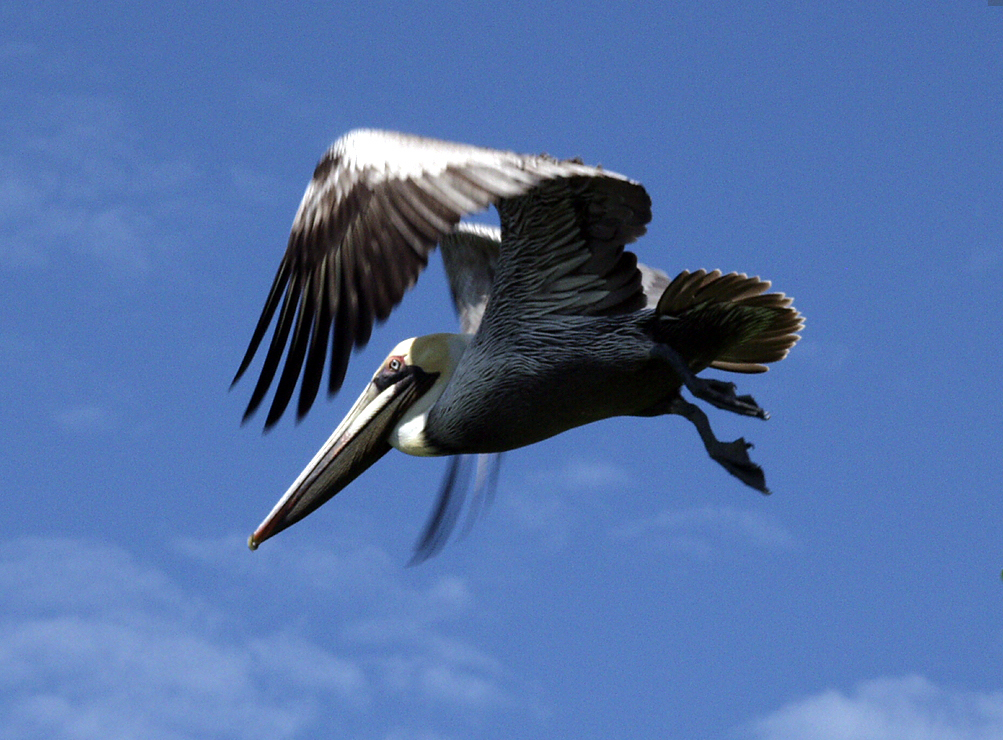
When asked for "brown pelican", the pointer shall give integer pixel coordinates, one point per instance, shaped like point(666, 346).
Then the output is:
point(560, 326)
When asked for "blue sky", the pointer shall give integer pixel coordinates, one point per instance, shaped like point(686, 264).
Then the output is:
point(622, 585)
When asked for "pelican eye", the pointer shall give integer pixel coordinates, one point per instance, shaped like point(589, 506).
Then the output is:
point(394, 369)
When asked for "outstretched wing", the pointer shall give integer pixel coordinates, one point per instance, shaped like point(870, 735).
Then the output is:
point(378, 203)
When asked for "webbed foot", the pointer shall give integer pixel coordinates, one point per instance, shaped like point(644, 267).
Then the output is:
point(715, 392)
point(732, 456)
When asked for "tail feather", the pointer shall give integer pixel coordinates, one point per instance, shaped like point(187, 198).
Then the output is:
point(728, 322)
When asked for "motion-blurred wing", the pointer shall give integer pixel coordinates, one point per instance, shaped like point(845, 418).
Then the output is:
point(470, 254)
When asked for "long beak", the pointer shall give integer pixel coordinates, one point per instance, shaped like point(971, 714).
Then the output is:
point(358, 442)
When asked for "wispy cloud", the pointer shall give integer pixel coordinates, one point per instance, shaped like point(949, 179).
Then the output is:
point(906, 708)
point(445, 671)
point(94, 644)
point(551, 503)
point(703, 531)
point(77, 180)
point(85, 419)
point(546, 515)
point(400, 634)
point(580, 474)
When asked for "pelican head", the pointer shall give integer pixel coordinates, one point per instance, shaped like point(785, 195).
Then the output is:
point(390, 412)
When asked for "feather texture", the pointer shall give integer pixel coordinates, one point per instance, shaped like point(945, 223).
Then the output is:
point(728, 322)
point(378, 204)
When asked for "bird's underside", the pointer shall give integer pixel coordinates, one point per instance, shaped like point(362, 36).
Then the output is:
point(561, 325)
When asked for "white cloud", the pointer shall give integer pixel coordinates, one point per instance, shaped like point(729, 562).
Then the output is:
point(579, 474)
point(86, 418)
point(399, 633)
point(702, 531)
point(907, 708)
point(126, 679)
point(94, 644)
point(350, 574)
point(303, 663)
point(434, 668)
point(543, 513)
point(451, 684)
point(56, 576)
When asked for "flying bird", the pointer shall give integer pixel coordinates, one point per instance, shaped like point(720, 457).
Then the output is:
point(560, 325)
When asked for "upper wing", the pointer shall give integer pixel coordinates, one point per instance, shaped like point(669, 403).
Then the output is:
point(378, 203)
point(470, 254)
point(563, 250)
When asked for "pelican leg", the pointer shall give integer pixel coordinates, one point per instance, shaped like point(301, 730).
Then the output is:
point(733, 456)
point(715, 392)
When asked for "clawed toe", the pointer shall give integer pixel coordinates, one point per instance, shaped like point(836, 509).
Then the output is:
point(718, 393)
point(722, 395)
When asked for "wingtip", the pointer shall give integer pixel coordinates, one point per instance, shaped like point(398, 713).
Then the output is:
point(301, 413)
point(269, 422)
point(273, 417)
point(419, 557)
